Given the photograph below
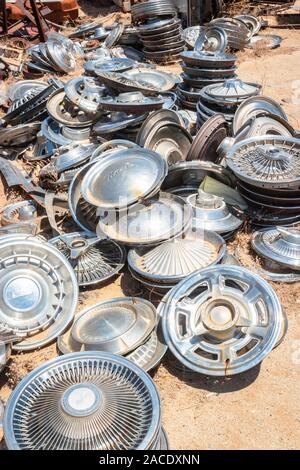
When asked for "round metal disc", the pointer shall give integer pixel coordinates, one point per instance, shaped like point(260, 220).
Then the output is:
point(212, 213)
point(89, 393)
point(192, 174)
point(150, 223)
point(131, 102)
point(114, 36)
point(269, 41)
point(208, 60)
point(84, 214)
point(280, 244)
point(174, 260)
point(121, 179)
point(56, 107)
point(222, 320)
point(163, 115)
point(267, 161)
point(212, 39)
point(38, 291)
point(161, 80)
point(251, 107)
point(170, 140)
point(208, 139)
point(117, 326)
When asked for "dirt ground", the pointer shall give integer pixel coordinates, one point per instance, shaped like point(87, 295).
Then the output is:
point(259, 409)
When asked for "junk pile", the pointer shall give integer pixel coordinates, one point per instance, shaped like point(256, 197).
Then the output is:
point(130, 167)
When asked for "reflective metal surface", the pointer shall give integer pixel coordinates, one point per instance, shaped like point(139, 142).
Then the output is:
point(150, 223)
point(84, 387)
point(123, 178)
point(221, 320)
point(39, 290)
point(93, 260)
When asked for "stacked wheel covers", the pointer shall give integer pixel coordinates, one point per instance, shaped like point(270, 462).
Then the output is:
point(222, 320)
point(162, 267)
point(81, 405)
point(159, 30)
point(224, 98)
point(268, 173)
point(200, 69)
point(126, 326)
point(57, 54)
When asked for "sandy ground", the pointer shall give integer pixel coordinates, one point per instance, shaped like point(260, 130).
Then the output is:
point(259, 409)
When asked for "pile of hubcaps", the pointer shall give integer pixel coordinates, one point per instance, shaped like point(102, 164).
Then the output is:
point(81, 406)
point(224, 98)
point(162, 267)
point(159, 30)
point(221, 321)
point(57, 54)
point(202, 68)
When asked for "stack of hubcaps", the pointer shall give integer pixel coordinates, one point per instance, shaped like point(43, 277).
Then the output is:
point(224, 98)
point(159, 30)
point(268, 171)
point(125, 326)
point(162, 267)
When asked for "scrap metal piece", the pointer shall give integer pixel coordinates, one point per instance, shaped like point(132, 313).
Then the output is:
point(24, 211)
point(221, 320)
point(16, 177)
point(93, 260)
point(19, 136)
point(86, 389)
point(23, 87)
point(84, 92)
point(34, 109)
point(5, 351)
point(280, 244)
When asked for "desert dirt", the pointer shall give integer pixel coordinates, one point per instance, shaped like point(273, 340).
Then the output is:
point(259, 409)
